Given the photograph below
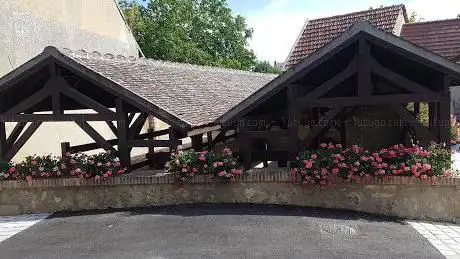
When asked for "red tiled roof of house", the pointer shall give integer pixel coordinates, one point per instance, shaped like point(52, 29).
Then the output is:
point(319, 32)
point(441, 37)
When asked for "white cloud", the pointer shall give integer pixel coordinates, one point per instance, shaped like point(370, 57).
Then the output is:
point(276, 26)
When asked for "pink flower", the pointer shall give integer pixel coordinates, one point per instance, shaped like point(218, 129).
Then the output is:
point(314, 156)
point(426, 167)
point(331, 146)
point(228, 151)
point(323, 145)
point(204, 152)
point(215, 164)
point(97, 177)
point(108, 164)
point(308, 164)
point(58, 173)
point(338, 145)
point(202, 158)
point(220, 163)
point(335, 170)
point(91, 162)
point(29, 178)
point(363, 158)
point(117, 164)
point(99, 164)
point(335, 161)
point(12, 170)
point(222, 173)
point(55, 169)
point(33, 162)
point(78, 170)
point(424, 177)
point(194, 170)
point(108, 173)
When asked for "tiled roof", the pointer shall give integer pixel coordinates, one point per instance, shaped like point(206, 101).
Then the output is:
point(197, 95)
point(441, 37)
point(319, 32)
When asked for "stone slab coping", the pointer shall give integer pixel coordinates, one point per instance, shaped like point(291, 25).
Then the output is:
point(269, 175)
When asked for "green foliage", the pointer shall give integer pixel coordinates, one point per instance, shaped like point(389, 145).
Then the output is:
point(186, 164)
point(440, 159)
point(200, 32)
point(266, 67)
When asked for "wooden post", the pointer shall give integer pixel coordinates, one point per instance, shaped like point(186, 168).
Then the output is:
point(172, 136)
point(3, 145)
point(197, 142)
point(293, 120)
point(122, 127)
point(364, 69)
point(244, 145)
point(444, 112)
point(65, 147)
point(433, 119)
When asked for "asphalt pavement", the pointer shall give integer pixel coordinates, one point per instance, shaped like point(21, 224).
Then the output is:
point(218, 231)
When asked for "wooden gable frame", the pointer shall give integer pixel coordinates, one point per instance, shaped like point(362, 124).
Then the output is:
point(128, 126)
point(364, 67)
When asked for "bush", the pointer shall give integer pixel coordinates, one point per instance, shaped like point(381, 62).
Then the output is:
point(186, 164)
point(316, 166)
point(79, 165)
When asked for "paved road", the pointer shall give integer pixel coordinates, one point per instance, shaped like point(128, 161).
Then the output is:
point(222, 231)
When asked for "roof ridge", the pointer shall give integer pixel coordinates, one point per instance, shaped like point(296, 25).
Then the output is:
point(358, 12)
point(433, 21)
point(140, 60)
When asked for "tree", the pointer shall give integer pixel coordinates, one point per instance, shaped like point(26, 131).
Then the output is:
point(266, 67)
point(200, 32)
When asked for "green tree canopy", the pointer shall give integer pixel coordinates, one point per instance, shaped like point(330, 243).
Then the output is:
point(203, 32)
point(266, 67)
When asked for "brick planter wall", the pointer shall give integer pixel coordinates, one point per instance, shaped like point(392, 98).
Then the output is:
point(400, 196)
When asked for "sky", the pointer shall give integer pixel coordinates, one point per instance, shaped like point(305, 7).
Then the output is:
point(277, 23)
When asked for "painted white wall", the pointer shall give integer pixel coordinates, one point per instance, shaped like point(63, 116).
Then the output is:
point(28, 26)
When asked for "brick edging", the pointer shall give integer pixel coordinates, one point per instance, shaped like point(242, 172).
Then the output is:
point(256, 176)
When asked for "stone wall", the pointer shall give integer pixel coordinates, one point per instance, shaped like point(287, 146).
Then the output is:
point(400, 196)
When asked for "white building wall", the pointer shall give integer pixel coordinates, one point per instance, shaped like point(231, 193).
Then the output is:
point(28, 26)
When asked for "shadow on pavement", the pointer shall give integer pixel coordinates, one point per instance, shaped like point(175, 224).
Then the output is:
point(238, 209)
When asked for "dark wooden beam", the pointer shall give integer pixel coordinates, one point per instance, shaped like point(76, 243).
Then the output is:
point(32, 100)
point(331, 83)
point(323, 124)
point(424, 134)
point(113, 142)
point(112, 127)
point(416, 109)
point(22, 140)
point(57, 117)
point(294, 112)
point(3, 145)
point(153, 143)
point(398, 79)
point(55, 95)
point(123, 131)
point(374, 100)
point(137, 125)
point(15, 133)
point(444, 112)
point(100, 140)
point(197, 142)
point(265, 134)
point(365, 86)
point(131, 117)
point(83, 99)
point(244, 146)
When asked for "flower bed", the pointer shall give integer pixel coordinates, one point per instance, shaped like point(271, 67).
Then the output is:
point(317, 166)
point(186, 164)
point(99, 166)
